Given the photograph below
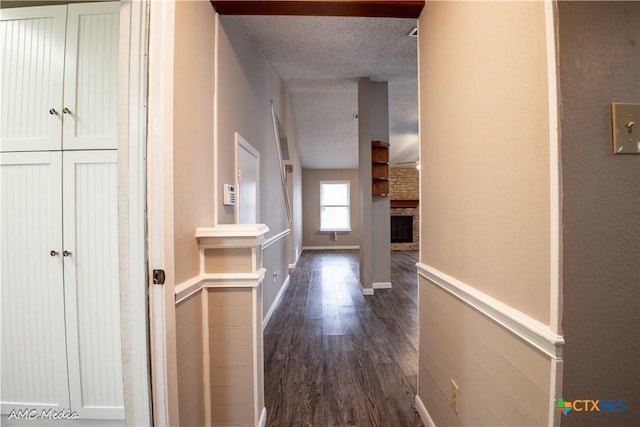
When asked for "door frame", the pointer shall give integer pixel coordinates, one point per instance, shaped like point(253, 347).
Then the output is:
point(132, 209)
point(243, 144)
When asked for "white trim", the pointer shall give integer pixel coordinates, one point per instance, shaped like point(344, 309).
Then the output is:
point(216, 97)
point(367, 291)
point(256, 334)
point(555, 391)
point(271, 240)
point(293, 266)
point(424, 414)
point(206, 361)
point(263, 418)
point(160, 212)
point(328, 248)
point(276, 302)
point(381, 285)
point(555, 202)
point(187, 288)
point(132, 143)
point(240, 142)
point(218, 280)
point(525, 327)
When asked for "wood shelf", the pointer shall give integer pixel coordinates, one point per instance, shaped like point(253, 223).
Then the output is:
point(380, 168)
point(407, 203)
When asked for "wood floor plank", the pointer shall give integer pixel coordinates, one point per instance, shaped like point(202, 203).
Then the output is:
point(336, 358)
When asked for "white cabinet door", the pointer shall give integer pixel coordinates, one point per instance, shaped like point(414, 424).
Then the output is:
point(90, 228)
point(91, 76)
point(34, 367)
point(32, 61)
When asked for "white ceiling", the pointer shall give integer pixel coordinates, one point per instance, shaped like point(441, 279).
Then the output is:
point(321, 60)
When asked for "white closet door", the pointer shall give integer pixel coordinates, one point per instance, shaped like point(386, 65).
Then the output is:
point(91, 76)
point(90, 211)
point(32, 61)
point(34, 367)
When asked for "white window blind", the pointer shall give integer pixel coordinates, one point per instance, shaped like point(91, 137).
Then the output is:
point(335, 209)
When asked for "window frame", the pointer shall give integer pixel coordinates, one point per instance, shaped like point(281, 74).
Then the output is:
point(348, 205)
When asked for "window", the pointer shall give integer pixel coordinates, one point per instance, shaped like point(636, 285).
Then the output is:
point(335, 210)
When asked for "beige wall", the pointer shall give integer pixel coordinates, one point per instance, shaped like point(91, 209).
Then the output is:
point(192, 130)
point(599, 48)
point(311, 207)
point(247, 83)
point(190, 363)
point(485, 148)
point(485, 208)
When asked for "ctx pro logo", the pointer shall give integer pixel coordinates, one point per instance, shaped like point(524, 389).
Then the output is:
point(590, 405)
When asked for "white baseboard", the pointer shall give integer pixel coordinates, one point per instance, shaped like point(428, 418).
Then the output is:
point(381, 285)
point(329, 248)
point(263, 418)
point(424, 414)
point(367, 291)
point(276, 302)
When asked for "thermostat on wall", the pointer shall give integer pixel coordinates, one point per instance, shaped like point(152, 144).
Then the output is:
point(229, 197)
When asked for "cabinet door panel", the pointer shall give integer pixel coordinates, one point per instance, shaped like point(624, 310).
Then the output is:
point(91, 76)
point(32, 45)
point(90, 207)
point(34, 369)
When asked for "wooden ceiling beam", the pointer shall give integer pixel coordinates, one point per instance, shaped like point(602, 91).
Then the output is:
point(364, 8)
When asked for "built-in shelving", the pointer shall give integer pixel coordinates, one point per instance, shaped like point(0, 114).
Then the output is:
point(380, 168)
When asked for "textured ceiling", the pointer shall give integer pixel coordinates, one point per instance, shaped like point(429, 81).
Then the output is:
point(321, 60)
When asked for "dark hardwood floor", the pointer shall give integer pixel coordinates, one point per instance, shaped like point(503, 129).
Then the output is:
point(336, 358)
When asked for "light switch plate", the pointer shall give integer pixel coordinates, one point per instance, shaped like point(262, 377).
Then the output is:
point(626, 128)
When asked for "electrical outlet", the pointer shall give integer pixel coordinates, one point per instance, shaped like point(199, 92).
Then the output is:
point(455, 396)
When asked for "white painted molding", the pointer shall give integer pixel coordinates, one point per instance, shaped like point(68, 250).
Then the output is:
point(525, 327)
point(328, 248)
point(381, 285)
point(271, 240)
point(276, 302)
point(206, 358)
point(132, 199)
point(367, 291)
point(218, 280)
point(555, 391)
point(263, 418)
point(231, 236)
point(555, 167)
point(424, 414)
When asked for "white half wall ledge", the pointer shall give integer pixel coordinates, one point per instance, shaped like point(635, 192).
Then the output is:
point(424, 414)
point(329, 248)
point(263, 418)
point(528, 329)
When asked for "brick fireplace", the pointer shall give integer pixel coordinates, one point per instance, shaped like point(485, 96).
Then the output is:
point(404, 189)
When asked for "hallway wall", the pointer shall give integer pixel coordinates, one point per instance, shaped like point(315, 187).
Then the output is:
point(246, 84)
point(599, 48)
point(485, 262)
